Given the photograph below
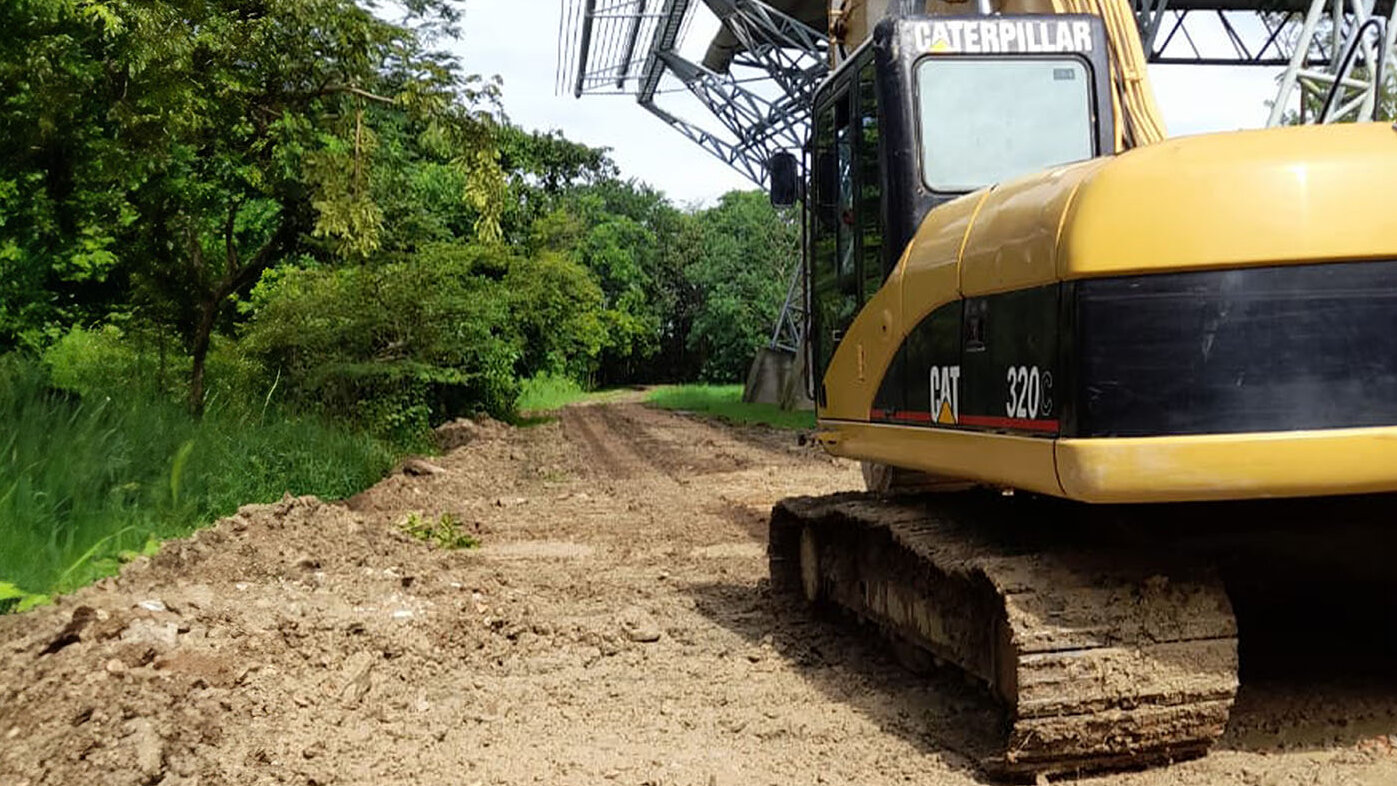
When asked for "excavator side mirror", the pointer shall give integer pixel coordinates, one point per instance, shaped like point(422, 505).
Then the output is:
point(785, 181)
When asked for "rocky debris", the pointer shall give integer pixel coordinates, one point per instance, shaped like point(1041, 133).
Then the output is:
point(149, 748)
point(199, 596)
point(639, 626)
point(419, 466)
point(306, 562)
point(357, 675)
point(71, 634)
point(142, 630)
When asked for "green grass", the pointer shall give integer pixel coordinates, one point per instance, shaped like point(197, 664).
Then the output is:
point(725, 403)
point(446, 532)
point(89, 482)
point(548, 392)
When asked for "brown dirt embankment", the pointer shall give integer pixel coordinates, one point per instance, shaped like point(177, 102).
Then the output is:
point(614, 627)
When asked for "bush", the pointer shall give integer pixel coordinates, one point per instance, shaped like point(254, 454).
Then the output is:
point(400, 346)
point(106, 360)
point(90, 361)
point(394, 347)
point(556, 306)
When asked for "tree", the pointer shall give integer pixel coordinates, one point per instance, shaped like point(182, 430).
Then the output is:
point(62, 181)
point(629, 237)
point(556, 307)
point(215, 138)
point(748, 252)
point(395, 346)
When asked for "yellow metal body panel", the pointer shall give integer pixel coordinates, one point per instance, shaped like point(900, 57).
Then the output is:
point(1013, 243)
point(862, 358)
point(1300, 194)
point(1139, 469)
point(997, 459)
point(1229, 466)
point(1278, 196)
point(930, 269)
point(931, 264)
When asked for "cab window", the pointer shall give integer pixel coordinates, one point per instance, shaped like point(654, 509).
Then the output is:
point(984, 121)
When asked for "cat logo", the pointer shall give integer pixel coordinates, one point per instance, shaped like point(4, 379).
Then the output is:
point(945, 394)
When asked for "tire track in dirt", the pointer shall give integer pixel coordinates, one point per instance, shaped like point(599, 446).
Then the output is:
point(678, 446)
point(662, 455)
point(687, 446)
point(630, 440)
point(603, 449)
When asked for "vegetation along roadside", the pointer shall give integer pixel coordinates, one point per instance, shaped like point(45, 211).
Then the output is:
point(246, 254)
point(725, 403)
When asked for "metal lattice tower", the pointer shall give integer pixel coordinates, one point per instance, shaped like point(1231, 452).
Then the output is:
point(1347, 83)
point(755, 82)
point(757, 89)
point(1337, 54)
point(756, 94)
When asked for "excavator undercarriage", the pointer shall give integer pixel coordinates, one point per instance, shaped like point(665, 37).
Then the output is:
point(1102, 656)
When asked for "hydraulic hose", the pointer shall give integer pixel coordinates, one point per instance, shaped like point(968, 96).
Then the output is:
point(1138, 119)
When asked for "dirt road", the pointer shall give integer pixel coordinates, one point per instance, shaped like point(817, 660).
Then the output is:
point(614, 627)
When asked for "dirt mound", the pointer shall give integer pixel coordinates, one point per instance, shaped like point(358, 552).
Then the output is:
point(283, 610)
point(463, 431)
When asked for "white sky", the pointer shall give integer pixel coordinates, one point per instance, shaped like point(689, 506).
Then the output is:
point(517, 39)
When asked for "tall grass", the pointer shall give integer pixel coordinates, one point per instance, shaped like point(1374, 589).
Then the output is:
point(547, 392)
point(725, 403)
point(87, 481)
point(544, 392)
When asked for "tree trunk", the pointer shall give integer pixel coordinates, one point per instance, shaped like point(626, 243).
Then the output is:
point(202, 334)
point(237, 278)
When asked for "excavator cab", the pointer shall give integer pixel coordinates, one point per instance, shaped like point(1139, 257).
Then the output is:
point(928, 110)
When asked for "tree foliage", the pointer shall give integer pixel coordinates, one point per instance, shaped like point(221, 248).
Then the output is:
point(748, 253)
point(311, 205)
point(388, 345)
point(213, 138)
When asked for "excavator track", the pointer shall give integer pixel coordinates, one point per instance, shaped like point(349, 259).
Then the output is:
point(1102, 659)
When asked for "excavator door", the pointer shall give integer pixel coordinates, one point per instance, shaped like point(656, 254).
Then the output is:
point(933, 108)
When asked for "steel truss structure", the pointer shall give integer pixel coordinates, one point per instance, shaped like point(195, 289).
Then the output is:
point(1175, 36)
point(1336, 53)
point(757, 102)
point(1348, 84)
point(760, 100)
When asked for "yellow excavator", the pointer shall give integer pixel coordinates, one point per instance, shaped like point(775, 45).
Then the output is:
point(1044, 328)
